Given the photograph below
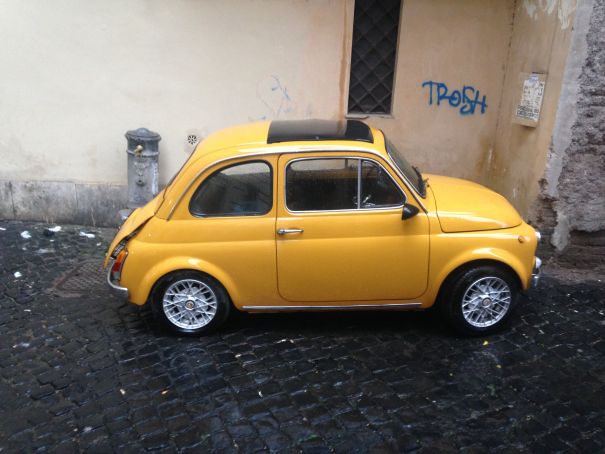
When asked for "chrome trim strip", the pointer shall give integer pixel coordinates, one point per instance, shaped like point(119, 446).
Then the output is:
point(331, 308)
point(288, 150)
point(536, 274)
point(120, 292)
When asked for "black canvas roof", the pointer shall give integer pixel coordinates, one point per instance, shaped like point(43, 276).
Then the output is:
point(303, 130)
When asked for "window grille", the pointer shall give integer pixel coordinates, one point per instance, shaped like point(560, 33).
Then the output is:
point(373, 54)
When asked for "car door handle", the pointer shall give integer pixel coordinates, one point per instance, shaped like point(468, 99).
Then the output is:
point(286, 231)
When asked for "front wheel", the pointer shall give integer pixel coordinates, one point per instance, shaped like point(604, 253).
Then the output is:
point(189, 302)
point(479, 300)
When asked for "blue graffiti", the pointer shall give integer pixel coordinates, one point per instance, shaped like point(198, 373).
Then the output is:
point(466, 99)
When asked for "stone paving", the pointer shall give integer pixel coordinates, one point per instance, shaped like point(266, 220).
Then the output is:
point(81, 371)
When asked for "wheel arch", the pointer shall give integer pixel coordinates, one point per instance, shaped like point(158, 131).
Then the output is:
point(175, 264)
point(502, 259)
point(477, 263)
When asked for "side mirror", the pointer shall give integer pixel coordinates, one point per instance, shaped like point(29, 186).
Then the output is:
point(409, 211)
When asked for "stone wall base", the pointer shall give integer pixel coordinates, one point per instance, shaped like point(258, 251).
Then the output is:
point(95, 204)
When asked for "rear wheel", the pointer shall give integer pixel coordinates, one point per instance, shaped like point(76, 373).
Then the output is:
point(189, 302)
point(479, 300)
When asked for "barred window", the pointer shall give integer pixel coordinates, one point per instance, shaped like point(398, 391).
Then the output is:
point(375, 32)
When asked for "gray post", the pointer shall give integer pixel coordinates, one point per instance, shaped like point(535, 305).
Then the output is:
point(143, 170)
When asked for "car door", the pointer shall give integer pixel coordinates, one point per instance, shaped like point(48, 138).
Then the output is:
point(340, 234)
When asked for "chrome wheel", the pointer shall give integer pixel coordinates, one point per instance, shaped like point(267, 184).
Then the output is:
point(486, 302)
point(189, 304)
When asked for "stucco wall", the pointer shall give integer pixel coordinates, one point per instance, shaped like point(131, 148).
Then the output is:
point(540, 44)
point(76, 75)
point(462, 43)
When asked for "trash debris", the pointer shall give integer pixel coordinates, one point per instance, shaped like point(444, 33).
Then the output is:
point(17, 274)
point(485, 343)
point(44, 251)
point(260, 394)
point(98, 244)
point(21, 344)
point(25, 234)
point(2, 228)
point(122, 392)
point(87, 429)
point(56, 228)
point(27, 310)
point(87, 235)
point(164, 392)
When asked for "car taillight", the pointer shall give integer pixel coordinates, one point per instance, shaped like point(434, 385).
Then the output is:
point(116, 268)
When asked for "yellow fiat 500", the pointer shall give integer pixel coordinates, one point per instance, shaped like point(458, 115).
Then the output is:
point(319, 215)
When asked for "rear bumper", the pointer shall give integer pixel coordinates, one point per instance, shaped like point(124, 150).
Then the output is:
point(120, 292)
point(535, 276)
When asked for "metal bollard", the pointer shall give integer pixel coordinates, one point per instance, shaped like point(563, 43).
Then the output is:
point(143, 173)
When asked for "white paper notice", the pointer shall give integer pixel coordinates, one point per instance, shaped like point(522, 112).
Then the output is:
point(531, 99)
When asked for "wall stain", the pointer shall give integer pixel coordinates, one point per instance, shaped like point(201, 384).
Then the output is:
point(343, 101)
point(565, 9)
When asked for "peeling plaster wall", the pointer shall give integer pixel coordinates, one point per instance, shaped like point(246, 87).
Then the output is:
point(572, 200)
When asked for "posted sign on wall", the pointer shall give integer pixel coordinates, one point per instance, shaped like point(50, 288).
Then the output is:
point(527, 109)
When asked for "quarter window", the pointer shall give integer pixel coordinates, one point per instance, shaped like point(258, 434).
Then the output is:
point(238, 190)
point(377, 187)
point(339, 184)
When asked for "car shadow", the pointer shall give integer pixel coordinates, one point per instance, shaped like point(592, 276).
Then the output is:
point(333, 323)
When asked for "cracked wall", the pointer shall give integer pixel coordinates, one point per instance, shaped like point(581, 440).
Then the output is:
point(571, 203)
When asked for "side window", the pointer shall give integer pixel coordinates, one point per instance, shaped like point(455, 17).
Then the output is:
point(336, 183)
point(239, 190)
point(322, 184)
point(377, 187)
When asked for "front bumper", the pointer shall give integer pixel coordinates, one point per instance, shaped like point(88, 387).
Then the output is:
point(535, 276)
point(120, 292)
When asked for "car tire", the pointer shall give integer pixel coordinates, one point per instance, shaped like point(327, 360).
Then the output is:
point(479, 301)
point(189, 302)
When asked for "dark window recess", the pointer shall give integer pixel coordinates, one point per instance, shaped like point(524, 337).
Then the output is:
point(375, 30)
point(239, 190)
point(322, 184)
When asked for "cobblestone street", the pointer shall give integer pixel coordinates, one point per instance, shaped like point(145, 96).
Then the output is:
point(82, 371)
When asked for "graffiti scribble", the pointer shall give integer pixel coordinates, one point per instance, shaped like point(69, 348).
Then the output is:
point(467, 99)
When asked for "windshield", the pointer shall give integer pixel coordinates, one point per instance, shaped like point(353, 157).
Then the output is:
point(411, 173)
